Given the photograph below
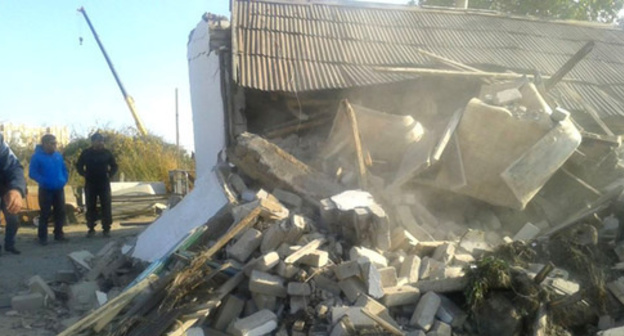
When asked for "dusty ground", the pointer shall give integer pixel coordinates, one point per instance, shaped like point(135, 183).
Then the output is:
point(35, 259)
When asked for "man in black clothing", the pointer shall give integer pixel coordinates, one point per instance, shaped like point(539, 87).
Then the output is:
point(97, 165)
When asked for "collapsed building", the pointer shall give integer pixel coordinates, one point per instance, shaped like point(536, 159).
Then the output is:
point(376, 170)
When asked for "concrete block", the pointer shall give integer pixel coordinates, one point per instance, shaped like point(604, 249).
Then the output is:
point(343, 328)
point(441, 329)
point(388, 277)
point(230, 309)
point(429, 267)
point(463, 260)
point(450, 313)
point(446, 272)
point(347, 269)
point(425, 312)
point(245, 245)
point(82, 296)
point(38, 285)
point(400, 296)
point(262, 301)
point(528, 232)
point(444, 253)
point(299, 289)
point(250, 308)
point(82, 258)
point(298, 303)
point(284, 250)
point(316, 258)
point(400, 238)
point(27, 302)
point(263, 263)
point(289, 199)
point(286, 271)
point(356, 316)
point(474, 243)
point(410, 268)
point(296, 226)
point(352, 288)
point(258, 324)
point(237, 183)
point(327, 284)
point(363, 255)
point(66, 276)
point(372, 278)
point(272, 238)
point(264, 283)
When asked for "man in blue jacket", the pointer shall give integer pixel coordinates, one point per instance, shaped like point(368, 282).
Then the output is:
point(12, 191)
point(47, 167)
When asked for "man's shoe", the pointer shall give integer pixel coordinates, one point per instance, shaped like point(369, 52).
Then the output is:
point(91, 233)
point(12, 250)
point(106, 234)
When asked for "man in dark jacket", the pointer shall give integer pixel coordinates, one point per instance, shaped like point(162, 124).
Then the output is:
point(97, 165)
point(12, 191)
point(47, 167)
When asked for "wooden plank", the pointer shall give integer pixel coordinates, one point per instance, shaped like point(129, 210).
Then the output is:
point(306, 249)
point(111, 306)
point(358, 144)
point(235, 230)
point(383, 323)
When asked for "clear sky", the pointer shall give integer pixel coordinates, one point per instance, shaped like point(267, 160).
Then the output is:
point(48, 78)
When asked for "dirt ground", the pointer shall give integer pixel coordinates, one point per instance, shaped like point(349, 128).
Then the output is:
point(45, 261)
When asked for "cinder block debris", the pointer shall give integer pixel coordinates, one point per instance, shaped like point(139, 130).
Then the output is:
point(27, 302)
point(229, 310)
point(258, 324)
point(425, 312)
point(38, 285)
point(246, 245)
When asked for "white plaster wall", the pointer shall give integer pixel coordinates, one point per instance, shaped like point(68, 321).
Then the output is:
point(162, 236)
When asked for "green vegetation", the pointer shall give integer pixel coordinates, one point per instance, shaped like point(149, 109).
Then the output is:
point(584, 10)
point(139, 158)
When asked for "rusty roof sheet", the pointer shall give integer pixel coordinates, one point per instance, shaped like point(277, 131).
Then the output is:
point(306, 46)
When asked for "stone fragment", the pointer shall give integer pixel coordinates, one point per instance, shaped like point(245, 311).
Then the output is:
point(388, 277)
point(363, 255)
point(264, 263)
point(474, 243)
point(430, 267)
point(424, 315)
point(260, 323)
point(245, 245)
point(299, 289)
point(316, 258)
point(410, 269)
point(38, 285)
point(230, 309)
point(272, 238)
point(528, 232)
point(356, 316)
point(372, 278)
point(400, 296)
point(347, 269)
point(27, 302)
point(267, 284)
point(463, 260)
point(400, 238)
point(352, 288)
point(444, 253)
point(296, 227)
point(327, 284)
point(286, 271)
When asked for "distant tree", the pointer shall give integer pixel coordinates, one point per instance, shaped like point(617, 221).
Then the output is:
point(585, 10)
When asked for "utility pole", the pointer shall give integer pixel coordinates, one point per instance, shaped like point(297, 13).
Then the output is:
point(177, 126)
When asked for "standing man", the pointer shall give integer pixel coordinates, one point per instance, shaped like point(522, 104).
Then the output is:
point(12, 191)
point(47, 167)
point(97, 165)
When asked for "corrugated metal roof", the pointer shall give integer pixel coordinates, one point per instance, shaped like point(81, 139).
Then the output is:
point(306, 46)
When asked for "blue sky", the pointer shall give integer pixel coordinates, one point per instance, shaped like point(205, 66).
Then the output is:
point(49, 78)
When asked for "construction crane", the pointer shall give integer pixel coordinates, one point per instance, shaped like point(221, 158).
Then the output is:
point(129, 100)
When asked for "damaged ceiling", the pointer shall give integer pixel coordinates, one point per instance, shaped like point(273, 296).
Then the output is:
point(296, 46)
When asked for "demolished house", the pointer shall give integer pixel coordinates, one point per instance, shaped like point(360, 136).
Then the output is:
point(390, 170)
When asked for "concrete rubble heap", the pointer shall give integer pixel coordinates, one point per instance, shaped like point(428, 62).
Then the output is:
point(454, 231)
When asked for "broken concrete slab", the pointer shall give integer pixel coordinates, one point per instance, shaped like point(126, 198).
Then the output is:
point(258, 324)
point(425, 312)
point(230, 309)
point(248, 242)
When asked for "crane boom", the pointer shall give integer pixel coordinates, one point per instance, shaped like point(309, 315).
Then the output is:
point(129, 100)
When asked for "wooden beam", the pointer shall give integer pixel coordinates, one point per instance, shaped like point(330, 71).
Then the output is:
point(235, 230)
point(358, 144)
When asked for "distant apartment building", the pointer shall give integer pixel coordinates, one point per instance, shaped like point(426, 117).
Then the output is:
point(27, 136)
